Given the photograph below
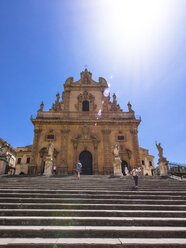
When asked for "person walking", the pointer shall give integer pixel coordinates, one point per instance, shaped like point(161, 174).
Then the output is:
point(126, 171)
point(54, 169)
point(78, 167)
point(135, 176)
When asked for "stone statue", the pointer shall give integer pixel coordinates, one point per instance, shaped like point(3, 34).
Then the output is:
point(160, 150)
point(57, 98)
point(162, 162)
point(117, 161)
point(49, 162)
point(50, 149)
point(114, 98)
point(116, 151)
point(41, 106)
point(130, 107)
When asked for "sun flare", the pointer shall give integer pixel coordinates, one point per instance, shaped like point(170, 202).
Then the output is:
point(136, 23)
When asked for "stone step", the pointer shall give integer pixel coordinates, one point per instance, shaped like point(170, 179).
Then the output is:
point(92, 213)
point(98, 191)
point(90, 196)
point(87, 200)
point(92, 243)
point(89, 231)
point(40, 212)
point(92, 221)
point(91, 188)
point(144, 207)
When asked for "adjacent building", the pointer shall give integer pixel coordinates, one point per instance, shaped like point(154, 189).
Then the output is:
point(7, 158)
point(23, 159)
point(147, 162)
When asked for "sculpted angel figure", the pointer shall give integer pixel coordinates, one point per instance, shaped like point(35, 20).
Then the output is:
point(160, 150)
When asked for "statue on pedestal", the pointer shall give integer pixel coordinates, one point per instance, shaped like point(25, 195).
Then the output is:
point(117, 161)
point(162, 161)
point(50, 149)
point(41, 107)
point(130, 107)
point(49, 162)
point(116, 150)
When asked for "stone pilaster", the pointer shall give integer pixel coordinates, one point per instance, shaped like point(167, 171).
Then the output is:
point(135, 142)
point(95, 166)
point(33, 166)
point(107, 168)
point(63, 168)
point(75, 144)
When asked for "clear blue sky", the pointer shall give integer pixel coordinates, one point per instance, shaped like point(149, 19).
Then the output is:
point(139, 47)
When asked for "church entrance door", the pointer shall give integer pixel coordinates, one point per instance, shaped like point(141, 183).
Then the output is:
point(123, 165)
point(85, 158)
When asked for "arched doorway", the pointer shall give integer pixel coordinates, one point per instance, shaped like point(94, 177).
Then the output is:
point(85, 158)
point(123, 165)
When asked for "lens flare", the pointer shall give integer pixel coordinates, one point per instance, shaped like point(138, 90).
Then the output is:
point(99, 113)
point(106, 92)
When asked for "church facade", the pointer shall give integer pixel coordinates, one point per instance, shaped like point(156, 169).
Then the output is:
point(85, 125)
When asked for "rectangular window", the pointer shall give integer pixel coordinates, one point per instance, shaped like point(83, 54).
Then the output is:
point(19, 160)
point(50, 136)
point(150, 163)
point(28, 160)
point(85, 106)
point(143, 163)
point(120, 137)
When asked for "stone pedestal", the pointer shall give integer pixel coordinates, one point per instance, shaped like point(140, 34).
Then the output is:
point(163, 167)
point(48, 166)
point(3, 164)
point(117, 167)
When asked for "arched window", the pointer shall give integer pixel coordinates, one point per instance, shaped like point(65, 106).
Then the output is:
point(85, 106)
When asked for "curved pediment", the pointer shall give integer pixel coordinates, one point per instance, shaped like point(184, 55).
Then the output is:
point(85, 80)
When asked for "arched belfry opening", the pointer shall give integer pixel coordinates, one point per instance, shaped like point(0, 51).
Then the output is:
point(85, 158)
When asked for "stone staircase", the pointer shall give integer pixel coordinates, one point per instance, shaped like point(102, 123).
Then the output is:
point(95, 211)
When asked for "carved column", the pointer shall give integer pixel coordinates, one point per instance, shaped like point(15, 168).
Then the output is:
point(107, 168)
point(135, 142)
point(63, 169)
point(33, 166)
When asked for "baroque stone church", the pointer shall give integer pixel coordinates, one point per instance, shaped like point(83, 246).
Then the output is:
point(84, 125)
